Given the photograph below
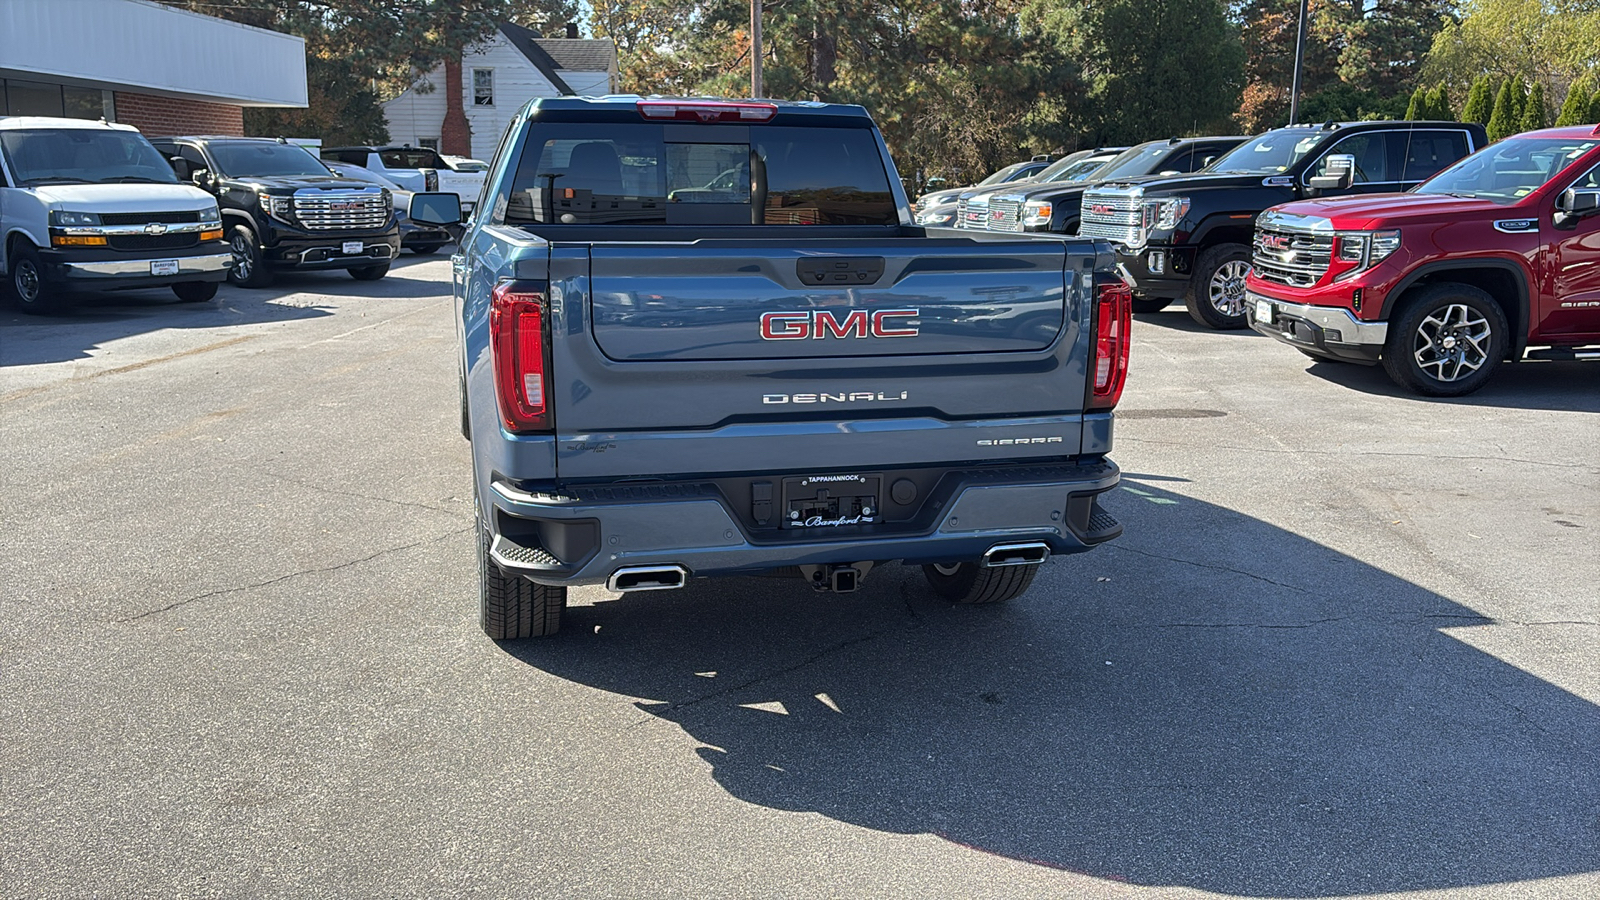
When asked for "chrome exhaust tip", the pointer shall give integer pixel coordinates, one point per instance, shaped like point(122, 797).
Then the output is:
point(647, 578)
point(1030, 553)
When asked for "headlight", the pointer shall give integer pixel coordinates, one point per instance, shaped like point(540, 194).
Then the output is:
point(1164, 215)
point(276, 207)
point(938, 218)
point(1361, 250)
point(66, 219)
point(211, 216)
point(1036, 212)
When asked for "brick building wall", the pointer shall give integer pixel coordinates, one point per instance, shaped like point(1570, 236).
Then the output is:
point(166, 116)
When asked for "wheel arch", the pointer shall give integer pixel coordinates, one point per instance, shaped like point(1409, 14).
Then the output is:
point(1222, 228)
point(1503, 280)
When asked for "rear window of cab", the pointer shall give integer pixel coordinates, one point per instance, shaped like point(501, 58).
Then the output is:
point(670, 174)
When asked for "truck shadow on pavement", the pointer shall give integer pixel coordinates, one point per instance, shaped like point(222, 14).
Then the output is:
point(1210, 702)
point(95, 319)
point(1559, 386)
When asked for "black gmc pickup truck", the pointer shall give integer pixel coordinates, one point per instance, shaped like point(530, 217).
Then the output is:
point(1189, 236)
point(282, 208)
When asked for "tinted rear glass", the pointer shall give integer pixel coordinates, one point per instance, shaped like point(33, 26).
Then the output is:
point(653, 174)
point(411, 159)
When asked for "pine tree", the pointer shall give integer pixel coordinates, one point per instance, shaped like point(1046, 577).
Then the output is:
point(1500, 121)
point(1439, 104)
point(1417, 109)
point(1575, 111)
point(1533, 113)
point(1594, 110)
point(1480, 102)
point(1519, 102)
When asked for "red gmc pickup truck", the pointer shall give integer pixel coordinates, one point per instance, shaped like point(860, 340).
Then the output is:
point(1495, 258)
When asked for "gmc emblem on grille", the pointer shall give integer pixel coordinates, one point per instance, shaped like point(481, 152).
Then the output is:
point(343, 204)
point(858, 324)
point(1100, 209)
point(1273, 242)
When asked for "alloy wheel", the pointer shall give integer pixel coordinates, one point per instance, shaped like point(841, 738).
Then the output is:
point(241, 256)
point(1452, 342)
point(1227, 287)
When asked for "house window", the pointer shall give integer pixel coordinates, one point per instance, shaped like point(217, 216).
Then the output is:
point(482, 87)
point(429, 143)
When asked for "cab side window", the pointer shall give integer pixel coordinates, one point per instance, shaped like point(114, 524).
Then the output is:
point(1371, 150)
point(1429, 152)
point(1589, 182)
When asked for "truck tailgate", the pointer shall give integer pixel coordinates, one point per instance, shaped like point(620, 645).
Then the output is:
point(904, 349)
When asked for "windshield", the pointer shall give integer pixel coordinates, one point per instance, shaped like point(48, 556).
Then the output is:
point(83, 156)
point(1270, 154)
point(1510, 169)
point(1140, 160)
point(260, 159)
point(1081, 170)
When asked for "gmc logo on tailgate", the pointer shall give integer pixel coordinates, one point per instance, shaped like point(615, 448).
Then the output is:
point(858, 324)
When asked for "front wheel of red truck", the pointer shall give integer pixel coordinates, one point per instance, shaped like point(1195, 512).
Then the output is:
point(1446, 341)
point(971, 583)
point(512, 607)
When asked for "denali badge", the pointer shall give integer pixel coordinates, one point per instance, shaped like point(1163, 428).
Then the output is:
point(854, 397)
point(820, 323)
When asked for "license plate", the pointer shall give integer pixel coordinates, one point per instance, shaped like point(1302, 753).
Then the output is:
point(352, 248)
point(831, 501)
point(163, 267)
point(1264, 312)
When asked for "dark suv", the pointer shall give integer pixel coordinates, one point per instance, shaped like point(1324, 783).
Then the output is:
point(1189, 236)
point(282, 208)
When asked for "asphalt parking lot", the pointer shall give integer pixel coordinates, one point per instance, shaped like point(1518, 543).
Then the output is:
point(1346, 647)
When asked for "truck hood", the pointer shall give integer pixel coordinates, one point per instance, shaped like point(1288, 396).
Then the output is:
point(1168, 185)
point(295, 182)
point(114, 198)
point(1367, 211)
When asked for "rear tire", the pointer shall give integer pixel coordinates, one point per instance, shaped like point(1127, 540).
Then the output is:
point(1216, 291)
point(25, 283)
point(1447, 340)
point(369, 273)
point(1151, 304)
point(971, 583)
point(511, 607)
point(195, 291)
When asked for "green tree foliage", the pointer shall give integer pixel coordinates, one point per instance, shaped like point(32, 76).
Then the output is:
point(1534, 114)
point(1502, 120)
point(1480, 101)
point(1418, 107)
point(1575, 110)
point(1439, 105)
point(1550, 43)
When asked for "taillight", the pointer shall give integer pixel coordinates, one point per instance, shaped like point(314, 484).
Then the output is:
point(1113, 317)
point(518, 336)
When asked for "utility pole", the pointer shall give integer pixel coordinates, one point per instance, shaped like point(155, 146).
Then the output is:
point(755, 48)
point(1299, 62)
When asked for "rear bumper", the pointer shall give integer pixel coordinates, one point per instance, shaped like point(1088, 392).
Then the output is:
point(1329, 331)
point(578, 539)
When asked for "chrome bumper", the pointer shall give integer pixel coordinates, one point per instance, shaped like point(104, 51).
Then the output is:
point(133, 268)
point(1335, 325)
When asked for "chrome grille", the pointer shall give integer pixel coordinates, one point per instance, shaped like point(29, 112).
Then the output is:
point(321, 210)
point(1291, 256)
point(1005, 215)
point(1113, 214)
point(973, 213)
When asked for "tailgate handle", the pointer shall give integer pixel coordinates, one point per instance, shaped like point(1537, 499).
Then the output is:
point(840, 270)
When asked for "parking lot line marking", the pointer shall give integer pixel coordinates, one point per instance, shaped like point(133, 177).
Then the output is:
point(346, 334)
point(28, 392)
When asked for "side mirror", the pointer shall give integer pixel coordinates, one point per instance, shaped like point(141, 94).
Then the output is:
point(1339, 175)
point(432, 208)
point(201, 178)
point(1207, 161)
point(1573, 204)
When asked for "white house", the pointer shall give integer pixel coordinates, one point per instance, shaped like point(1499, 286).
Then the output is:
point(513, 66)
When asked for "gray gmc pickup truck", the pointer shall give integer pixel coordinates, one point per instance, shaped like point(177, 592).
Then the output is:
point(703, 338)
